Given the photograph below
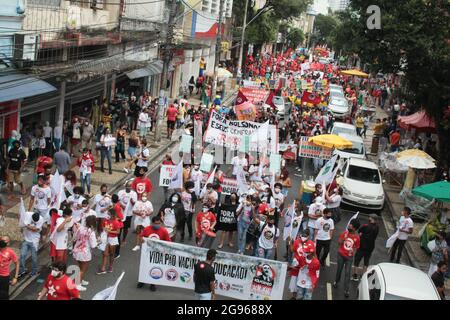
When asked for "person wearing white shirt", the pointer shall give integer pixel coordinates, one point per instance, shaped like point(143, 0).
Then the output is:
point(255, 174)
point(142, 123)
point(57, 135)
point(86, 211)
point(60, 235)
point(127, 199)
point(102, 203)
point(239, 161)
point(279, 200)
point(47, 131)
point(323, 235)
point(268, 239)
point(41, 196)
point(314, 212)
point(31, 236)
point(143, 157)
point(76, 203)
point(142, 210)
point(405, 228)
point(107, 141)
point(333, 203)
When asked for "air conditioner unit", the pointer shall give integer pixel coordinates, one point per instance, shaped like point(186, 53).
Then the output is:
point(26, 46)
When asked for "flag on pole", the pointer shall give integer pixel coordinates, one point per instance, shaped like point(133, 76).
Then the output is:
point(288, 219)
point(241, 181)
point(353, 217)
point(391, 240)
point(22, 214)
point(109, 293)
point(197, 184)
point(326, 174)
point(177, 179)
point(210, 180)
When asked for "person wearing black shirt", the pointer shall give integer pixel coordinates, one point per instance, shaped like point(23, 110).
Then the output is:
point(368, 234)
point(204, 277)
point(16, 160)
point(438, 278)
point(134, 114)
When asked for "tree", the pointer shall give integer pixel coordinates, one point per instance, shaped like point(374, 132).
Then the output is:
point(415, 31)
point(324, 26)
point(295, 37)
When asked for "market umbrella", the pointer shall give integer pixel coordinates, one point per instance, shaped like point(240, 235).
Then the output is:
point(354, 72)
point(437, 190)
point(330, 141)
point(416, 162)
point(414, 153)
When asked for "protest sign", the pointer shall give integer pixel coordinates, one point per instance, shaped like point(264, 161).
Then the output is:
point(229, 133)
point(275, 163)
point(206, 162)
point(310, 150)
point(255, 95)
point(186, 143)
point(165, 175)
point(238, 276)
point(245, 111)
point(251, 84)
point(229, 186)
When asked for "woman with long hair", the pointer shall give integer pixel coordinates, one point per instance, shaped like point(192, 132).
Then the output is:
point(112, 228)
point(70, 182)
point(226, 220)
point(120, 143)
point(85, 240)
point(105, 149)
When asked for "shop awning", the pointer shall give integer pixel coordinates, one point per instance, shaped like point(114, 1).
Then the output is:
point(155, 67)
point(17, 86)
point(418, 120)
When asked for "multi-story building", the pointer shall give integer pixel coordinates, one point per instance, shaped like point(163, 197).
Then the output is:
point(338, 5)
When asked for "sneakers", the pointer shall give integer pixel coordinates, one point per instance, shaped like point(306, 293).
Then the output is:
point(84, 283)
point(81, 288)
point(100, 271)
point(136, 248)
point(110, 270)
point(117, 257)
point(21, 274)
point(355, 277)
point(335, 285)
point(126, 170)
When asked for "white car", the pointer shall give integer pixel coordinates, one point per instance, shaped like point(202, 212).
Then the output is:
point(338, 106)
point(341, 127)
point(391, 281)
point(356, 151)
point(362, 184)
point(336, 89)
point(280, 105)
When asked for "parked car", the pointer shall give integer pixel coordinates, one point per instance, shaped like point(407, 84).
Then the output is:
point(338, 106)
point(362, 185)
point(341, 127)
point(356, 151)
point(336, 89)
point(391, 281)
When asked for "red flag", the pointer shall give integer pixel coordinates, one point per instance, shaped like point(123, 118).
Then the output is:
point(310, 97)
point(269, 100)
point(241, 98)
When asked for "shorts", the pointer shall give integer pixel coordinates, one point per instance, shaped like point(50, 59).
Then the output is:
point(14, 176)
point(170, 124)
point(362, 254)
point(127, 222)
point(113, 241)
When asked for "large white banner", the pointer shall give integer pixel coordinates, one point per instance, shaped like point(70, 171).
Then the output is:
point(230, 133)
point(237, 276)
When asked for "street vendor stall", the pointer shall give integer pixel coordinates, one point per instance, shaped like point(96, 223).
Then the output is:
point(419, 121)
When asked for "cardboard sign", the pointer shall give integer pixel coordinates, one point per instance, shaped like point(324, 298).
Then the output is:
point(206, 162)
point(186, 143)
point(165, 175)
point(310, 150)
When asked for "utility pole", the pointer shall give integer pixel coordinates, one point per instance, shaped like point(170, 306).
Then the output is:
point(167, 58)
point(241, 48)
point(218, 49)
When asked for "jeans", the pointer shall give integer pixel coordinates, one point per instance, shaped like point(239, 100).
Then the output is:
point(242, 227)
point(27, 246)
point(398, 244)
point(264, 253)
point(57, 143)
point(304, 293)
point(325, 245)
point(311, 233)
point(105, 152)
point(341, 263)
point(86, 182)
point(203, 296)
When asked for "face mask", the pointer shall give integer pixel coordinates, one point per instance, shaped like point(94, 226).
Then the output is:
point(144, 199)
point(55, 273)
point(3, 244)
point(304, 238)
point(326, 217)
point(349, 229)
point(190, 190)
point(196, 167)
point(205, 209)
point(127, 189)
point(77, 196)
point(103, 193)
point(175, 199)
point(308, 260)
point(277, 190)
point(270, 224)
point(156, 227)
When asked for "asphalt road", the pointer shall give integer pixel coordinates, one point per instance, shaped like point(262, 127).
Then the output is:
point(129, 261)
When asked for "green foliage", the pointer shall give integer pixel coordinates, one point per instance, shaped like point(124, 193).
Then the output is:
point(324, 27)
point(265, 30)
point(295, 38)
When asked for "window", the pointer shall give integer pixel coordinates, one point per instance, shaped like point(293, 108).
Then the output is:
point(364, 174)
point(357, 148)
point(45, 3)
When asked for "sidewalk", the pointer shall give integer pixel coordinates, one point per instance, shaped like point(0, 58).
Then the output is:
point(416, 255)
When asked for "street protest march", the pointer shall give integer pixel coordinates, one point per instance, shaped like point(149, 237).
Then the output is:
point(237, 276)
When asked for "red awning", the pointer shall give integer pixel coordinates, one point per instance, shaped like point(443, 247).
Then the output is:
point(418, 120)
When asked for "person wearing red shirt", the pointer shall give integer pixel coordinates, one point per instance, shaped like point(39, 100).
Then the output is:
point(171, 118)
point(348, 243)
point(58, 285)
point(142, 184)
point(7, 256)
point(308, 274)
point(112, 227)
point(205, 223)
point(42, 162)
point(154, 231)
point(118, 207)
point(298, 248)
point(53, 217)
point(395, 140)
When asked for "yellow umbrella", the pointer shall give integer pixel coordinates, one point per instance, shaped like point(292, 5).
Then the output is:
point(414, 153)
point(354, 72)
point(330, 141)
